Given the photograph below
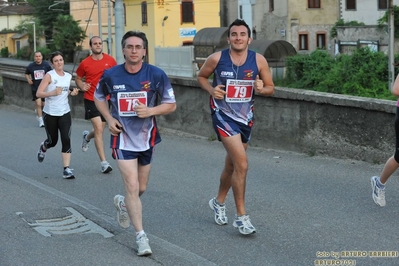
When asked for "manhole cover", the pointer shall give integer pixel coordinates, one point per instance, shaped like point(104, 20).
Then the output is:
point(65, 221)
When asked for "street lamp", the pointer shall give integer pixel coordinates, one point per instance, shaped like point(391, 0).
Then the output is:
point(163, 34)
point(34, 35)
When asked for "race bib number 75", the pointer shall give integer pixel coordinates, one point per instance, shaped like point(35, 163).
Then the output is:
point(128, 100)
point(239, 91)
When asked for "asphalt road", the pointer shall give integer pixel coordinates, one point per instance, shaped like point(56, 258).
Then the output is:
point(307, 210)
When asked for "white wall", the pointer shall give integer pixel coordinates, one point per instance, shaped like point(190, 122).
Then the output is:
point(366, 11)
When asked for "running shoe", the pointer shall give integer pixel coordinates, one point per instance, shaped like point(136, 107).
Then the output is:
point(68, 173)
point(243, 223)
point(121, 215)
point(41, 123)
point(220, 212)
point(106, 167)
point(143, 246)
point(41, 154)
point(85, 142)
point(378, 193)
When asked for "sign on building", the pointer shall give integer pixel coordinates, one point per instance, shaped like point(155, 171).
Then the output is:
point(187, 32)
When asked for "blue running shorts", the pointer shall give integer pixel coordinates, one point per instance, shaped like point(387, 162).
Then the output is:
point(144, 157)
point(225, 126)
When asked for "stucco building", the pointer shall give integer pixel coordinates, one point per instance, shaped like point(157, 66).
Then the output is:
point(10, 17)
point(307, 24)
point(167, 23)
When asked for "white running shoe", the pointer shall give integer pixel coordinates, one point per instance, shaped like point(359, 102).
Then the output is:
point(121, 215)
point(243, 223)
point(85, 142)
point(68, 173)
point(378, 193)
point(220, 212)
point(106, 167)
point(143, 246)
point(41, 122)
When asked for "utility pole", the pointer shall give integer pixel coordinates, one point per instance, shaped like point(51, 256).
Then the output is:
point(34, 35)
point(100, 26)
point(119, 30)
point(391, 58)
point(109, 40)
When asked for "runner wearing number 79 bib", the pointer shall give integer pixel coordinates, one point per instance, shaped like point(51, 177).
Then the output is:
point(238, 74)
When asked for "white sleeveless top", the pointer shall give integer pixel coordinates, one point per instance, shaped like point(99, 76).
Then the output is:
point(58, 105)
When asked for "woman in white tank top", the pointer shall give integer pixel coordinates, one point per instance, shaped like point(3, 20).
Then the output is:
point(55, 87)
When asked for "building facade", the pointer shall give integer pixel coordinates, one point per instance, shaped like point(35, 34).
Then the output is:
point(307, 24)
point(89, 13)
point(170, 23)
point(366, 11)
point(167, 23)
point(10, 17)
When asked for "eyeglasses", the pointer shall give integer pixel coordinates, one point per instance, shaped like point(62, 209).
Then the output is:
point(134, 47)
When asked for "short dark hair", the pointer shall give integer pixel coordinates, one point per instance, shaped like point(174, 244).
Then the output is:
point(54, 54)
point(91, 39)
point(239, 22)
point(138, 34)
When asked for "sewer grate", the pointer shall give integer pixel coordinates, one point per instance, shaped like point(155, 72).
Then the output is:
point(65, 221)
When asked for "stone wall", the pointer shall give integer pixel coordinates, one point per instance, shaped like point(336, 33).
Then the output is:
point(294, 120)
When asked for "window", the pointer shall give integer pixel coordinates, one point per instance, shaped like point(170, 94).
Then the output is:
point(321, 41)
point(383, 4)
point(314, 3)
point(303, 42)
point(187, 11)
point(187, 43)
point(271, 5)
point(144, 13)
point(350, 4)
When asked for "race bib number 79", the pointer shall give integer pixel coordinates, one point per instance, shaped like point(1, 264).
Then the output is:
point(128, 100)
point(239, 91)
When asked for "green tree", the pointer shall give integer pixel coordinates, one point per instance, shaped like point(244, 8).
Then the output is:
point(67, 34)
point(4, 52)
point(26, 26)
point(46, 12)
